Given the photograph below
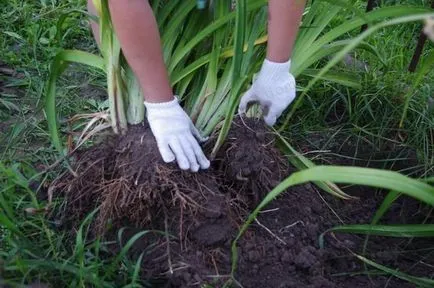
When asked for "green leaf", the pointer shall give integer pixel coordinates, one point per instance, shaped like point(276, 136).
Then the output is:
point(385, 205)
point(122, 254)
point(8, 224)
point(59, 64)
point(13, 35)
point(421, 282)
point(391, 197)
point(353, 44)
point(237, 80)
point(54, 266)
point(137, 268)
point(426, 66)
point(405, 231)
point(59, 33)
point(81, 57)
point(44, 41)
point(306, 50)
point(186, 49)
point(344, 78)
point(302, 163)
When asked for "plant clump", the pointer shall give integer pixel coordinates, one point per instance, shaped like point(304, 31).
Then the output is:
point(126, 179)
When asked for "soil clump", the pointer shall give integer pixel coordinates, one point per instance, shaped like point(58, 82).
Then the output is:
point(192, 218)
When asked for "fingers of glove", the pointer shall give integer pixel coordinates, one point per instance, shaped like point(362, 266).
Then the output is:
point(200, 156)
point(270, 120)
point(271, 117)
point(181, 158)
point(292, 89)
point(248, 97)
point(189, 153)
point(165, 151)
point(197, 134)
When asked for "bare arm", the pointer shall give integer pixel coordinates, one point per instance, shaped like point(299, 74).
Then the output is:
point(137, 30)
point(177, 137)
point(138, 34)
point(283, 23)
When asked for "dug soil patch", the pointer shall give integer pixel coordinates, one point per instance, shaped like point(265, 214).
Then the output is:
point(193, 218)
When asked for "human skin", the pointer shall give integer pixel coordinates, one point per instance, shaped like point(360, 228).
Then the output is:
point(137, 30)
point(284, 17)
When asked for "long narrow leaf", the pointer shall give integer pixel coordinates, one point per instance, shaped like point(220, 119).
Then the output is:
point(303, 163)
point(59, 64)
point(111, 50)
point(180, 54)
point(237, 79)
point(421, 282)
point(426, 66)
point(308, 51)
point(391, 197)
point(405, 231)
point(339, 56)
point(343, 78)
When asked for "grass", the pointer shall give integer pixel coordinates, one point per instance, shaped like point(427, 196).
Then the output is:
point(30, 39)
point(373, 111)
point(32, 249)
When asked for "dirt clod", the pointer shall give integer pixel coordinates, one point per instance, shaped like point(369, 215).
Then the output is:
point(212, 234)
point(202, 213)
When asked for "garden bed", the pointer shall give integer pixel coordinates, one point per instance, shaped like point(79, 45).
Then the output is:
point(193, 218)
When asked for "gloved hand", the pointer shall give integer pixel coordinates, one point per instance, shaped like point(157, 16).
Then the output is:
point(273, 89)
point(176, 135)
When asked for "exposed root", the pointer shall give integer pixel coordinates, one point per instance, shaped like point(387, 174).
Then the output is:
point(270, 232)
point(125, 178)
point(166, 232)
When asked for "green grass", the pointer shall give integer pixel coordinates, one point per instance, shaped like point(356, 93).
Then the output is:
point(33, 249)
point(373, 112)
point(31, 37)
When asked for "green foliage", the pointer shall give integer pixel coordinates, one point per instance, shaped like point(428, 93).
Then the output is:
point(182, 36)
point(302, 163)
point(408, 231)
point(33, 247)
point(425, 67)
point(60, 63)
point(419, 281)
point(200, 50)
point(214, 98)
point(237, 78)
point(379, 14)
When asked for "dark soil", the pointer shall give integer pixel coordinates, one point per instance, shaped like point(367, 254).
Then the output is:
point(200, 214)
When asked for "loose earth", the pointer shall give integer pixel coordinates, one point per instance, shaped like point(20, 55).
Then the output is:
point(192, 219)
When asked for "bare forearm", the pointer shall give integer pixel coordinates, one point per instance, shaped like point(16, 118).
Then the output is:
point(138, 34)
point(283, 22)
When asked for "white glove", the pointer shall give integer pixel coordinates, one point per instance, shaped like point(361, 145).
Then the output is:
point(176, 135)
point(273, 89)
point(429, 28)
